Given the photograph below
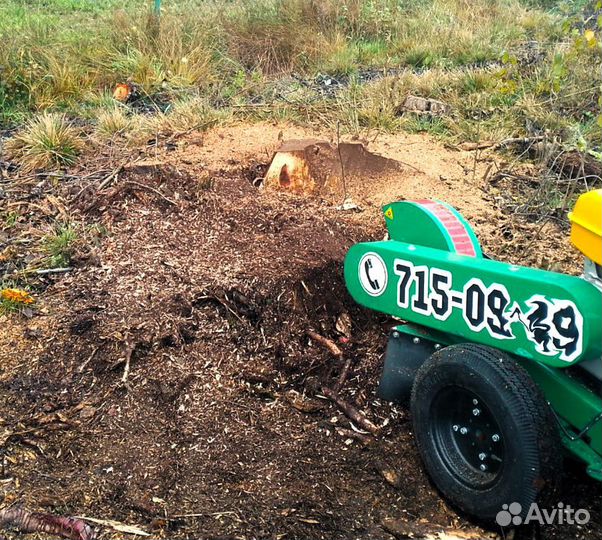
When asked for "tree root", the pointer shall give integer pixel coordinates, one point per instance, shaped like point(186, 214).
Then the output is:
point(35, 522)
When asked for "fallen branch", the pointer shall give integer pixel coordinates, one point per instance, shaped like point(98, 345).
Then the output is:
point(35, 522)
point(354, 414)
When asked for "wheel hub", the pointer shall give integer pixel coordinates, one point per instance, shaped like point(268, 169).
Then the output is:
point(468, 437)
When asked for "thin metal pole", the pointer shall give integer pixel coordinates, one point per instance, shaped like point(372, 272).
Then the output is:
point(157, 7)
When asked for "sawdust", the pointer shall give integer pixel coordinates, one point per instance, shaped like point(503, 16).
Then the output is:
point(205, 286)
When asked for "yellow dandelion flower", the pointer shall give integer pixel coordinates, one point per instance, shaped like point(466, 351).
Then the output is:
point(590, 37)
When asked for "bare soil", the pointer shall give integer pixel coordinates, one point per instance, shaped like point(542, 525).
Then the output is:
point(168, 381)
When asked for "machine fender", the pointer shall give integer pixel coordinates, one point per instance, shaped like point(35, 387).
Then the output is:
point(404, 355)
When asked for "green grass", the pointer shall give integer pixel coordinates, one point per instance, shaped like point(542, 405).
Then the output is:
point(9, 219)
point(67, 55)
point(59, 246)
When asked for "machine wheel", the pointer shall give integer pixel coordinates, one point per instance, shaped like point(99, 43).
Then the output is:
point(485, 433)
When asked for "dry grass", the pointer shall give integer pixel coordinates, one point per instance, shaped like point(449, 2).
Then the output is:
point(188, 115)
point(114, 121)
point(274, 37)
point(225, 55)
point(176, 53)
point(46, 142)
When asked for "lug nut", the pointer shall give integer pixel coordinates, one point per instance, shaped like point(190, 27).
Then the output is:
point(483, 467)
point(476, 412)
point(437, 346)
point(482, 456)
point(395, 334)
point(463, 430)
point(416, 341)
point(495, 437)
point(475, 401)
point(455, 427)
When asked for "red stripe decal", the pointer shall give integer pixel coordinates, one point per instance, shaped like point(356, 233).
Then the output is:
point(455, 228)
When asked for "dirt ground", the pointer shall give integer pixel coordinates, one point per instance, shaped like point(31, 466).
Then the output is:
point(168, 381)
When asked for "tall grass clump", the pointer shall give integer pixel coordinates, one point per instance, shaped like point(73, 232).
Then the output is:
point(117, 121)
point(187, 114)
point(475, 55)
point(47, 141)
point(177, 52)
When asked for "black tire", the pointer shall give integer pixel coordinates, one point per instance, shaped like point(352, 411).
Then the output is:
point(521, 464)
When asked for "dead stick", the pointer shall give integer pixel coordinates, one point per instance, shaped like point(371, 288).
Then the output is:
point(152, 190)
point(349, 433)
point(44, 271)
point(341, 161)
point(128, 357)
point(337, 353)
point(89, 359)
point(327, 343)
point(350, 411)
point(109, 178)
point(343, 376)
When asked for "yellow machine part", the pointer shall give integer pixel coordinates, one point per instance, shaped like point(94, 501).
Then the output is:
point(586, 225)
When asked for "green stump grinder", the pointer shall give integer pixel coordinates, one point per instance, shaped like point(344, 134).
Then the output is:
point(501, 364)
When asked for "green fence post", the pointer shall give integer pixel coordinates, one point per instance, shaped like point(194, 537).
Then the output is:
point(158, 7)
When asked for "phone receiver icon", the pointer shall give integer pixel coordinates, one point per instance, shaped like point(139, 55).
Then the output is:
point(372, 282)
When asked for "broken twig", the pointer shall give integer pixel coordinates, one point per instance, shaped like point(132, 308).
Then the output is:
point(326, 343)
point(343, 376)
point(334, 349)
point(116, 526)
point(354, 414)
point(109, 178)
point(152, 190)
point(128, 357)
point(44, 271)
point(349, 433)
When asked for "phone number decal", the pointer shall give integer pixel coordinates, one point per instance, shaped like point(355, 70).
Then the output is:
point(554, 326)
